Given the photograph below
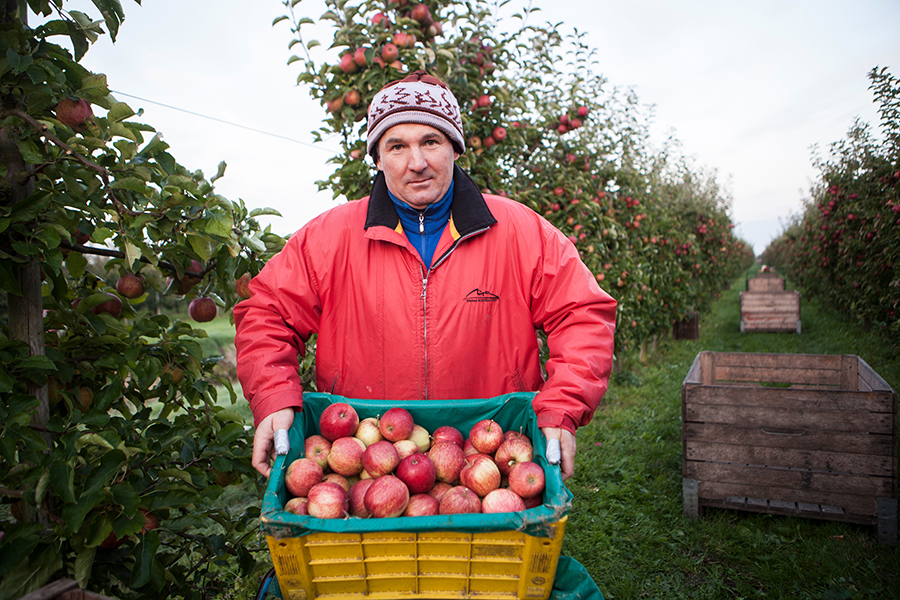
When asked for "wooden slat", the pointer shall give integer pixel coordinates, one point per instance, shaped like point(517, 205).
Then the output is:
point(52, 590)
point(775, 359)
point(710, 491)
point(815, 460)
point(803, 399)
point(707, 368)
point(774, 418)
point(873, 379)
point(779, 375)
point(852, 443)
point(765, 284)
point(849, 372)
point(693, 374)
point(762, 478)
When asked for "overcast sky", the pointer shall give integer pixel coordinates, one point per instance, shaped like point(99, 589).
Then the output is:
point(747, 87)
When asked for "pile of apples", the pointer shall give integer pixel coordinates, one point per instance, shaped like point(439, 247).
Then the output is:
point(392, 467)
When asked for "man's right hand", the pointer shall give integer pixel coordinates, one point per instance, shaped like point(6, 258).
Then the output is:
point(264, 439)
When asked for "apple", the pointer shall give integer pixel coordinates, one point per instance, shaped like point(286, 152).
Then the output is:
point(348, 64)
point(516, 434)
point(422, 14)
point(502, 500)
point(526, 479)
point(396, 424)
point(486, 436)
point(480, 474)
point(351, 98)
point(406, 448)
point(460, 500)
point(435, 29)
point(488, 142)
point(512, 451)
point(439, 489)
point(380, 19)
point(112, 306)
point(499, 133)
point(301, 475)
point(189, 280)
point(173, 371)
point(390, 53)
point(317, 448)
point(483, 101)
point(334, 106)
point(421, 437)
point(327, 500)
point(387, 497)
point(368, 431)
point(417, 472)
point(242, 286)
point(475, 142)
point(130, 286)
point(297, 506)
point(422, 505)
point(357, 498)
point(203, 309)
point(402, 40)
point(468, 448)
point(582, 111)
point(338, 479)
point(447, 433)
point(74, 113)
point(346, 455)
point(359, 57)
point(533, 502)
point(338, 420)
point(380, 459)
point(448, 459)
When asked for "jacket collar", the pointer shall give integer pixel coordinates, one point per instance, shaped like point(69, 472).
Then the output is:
point(468, 212)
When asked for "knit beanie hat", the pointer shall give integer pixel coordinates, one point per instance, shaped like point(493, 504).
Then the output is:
point(418, 98)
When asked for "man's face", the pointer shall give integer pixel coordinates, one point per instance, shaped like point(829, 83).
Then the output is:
point(417, 161)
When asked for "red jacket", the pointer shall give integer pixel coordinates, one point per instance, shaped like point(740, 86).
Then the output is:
point(388, 328)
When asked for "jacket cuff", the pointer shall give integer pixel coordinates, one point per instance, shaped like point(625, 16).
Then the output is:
point(559, 420)
point(275, 402)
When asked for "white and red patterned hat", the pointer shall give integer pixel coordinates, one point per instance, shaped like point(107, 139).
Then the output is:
point(418, 98)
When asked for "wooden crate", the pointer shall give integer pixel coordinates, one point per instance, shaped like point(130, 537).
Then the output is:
point(765, 283)
point(63, 589)
point(770, 311)
point(687, 328)
point(791, 434)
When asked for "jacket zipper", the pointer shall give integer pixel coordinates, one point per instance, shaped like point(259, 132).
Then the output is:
point(424, 274)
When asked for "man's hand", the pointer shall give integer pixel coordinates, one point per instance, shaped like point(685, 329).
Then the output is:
point(566, 447)
point(264, 439)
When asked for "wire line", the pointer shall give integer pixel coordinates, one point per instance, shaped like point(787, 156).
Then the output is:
point(196, 114)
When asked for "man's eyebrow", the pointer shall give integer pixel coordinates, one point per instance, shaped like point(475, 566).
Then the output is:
point(426, 136)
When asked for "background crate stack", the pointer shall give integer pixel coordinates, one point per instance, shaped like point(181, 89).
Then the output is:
point(767, 307)
point(791, 434)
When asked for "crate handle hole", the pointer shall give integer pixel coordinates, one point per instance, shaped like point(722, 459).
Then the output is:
point(792, 432)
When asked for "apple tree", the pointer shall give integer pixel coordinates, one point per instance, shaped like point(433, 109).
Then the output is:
point(117, 434)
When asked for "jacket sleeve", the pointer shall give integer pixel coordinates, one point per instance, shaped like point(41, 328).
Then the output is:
point(272, 327)
point(579, 319)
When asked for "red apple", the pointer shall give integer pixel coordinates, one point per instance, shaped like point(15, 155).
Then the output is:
point(301, 475)
point(203, 309)
point(533, 502)
point(483, 101)
point(448, 433)
point(338, 420)
point(387, 497)
point(422, 14)
point(74, 113)
point(513, 433)
point(242, 286)
point(468, 448)
point(334, 106)
point(317, 448)
point(526, 479)
point(480, 474)
point(396, 424)
point(338, 479)
point(390, 53)
point(402, 40)
point(112, 306)
point(327, 500)
point(406, 448)
point(488, 142)
point(460, 500)
point(348, 64)
point(502, 500)
point(486, 436)
point(346, 456)
point(582, 111)
point(421, 437)
point(191, 277)
point(351, 98)
point(359, 57)
point(380, 19)
point(380, 459)
point(499, 133)
point(417, 472)
point(297, 506)
point(448, 459)
point(422, 505)
point(512, 451)
point(357, 498)
point(368, 431)
point(439, 489)
point(130, 286)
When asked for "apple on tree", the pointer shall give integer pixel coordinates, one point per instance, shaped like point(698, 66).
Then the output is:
point(130, 286)
point(203, 309)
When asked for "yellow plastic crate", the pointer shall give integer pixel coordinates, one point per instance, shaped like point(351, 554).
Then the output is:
point(493, 556)
point(438, 564)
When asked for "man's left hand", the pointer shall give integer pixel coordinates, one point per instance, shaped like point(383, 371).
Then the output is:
point(566, 447)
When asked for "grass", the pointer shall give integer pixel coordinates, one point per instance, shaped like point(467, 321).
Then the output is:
point(627, 528)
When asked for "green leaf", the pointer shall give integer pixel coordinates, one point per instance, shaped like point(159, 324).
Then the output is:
point(119, 112)
point(125, 496)
point(83, 563)
point(94, 87)
point(76, 263)
point(8, 281)
point(74, 514)
point(41, 488)
point(62, 477)
point(278, 20)
point(144, 556)
point(130, 183)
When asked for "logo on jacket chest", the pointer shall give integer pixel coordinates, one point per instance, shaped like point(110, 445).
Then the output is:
point(478, 295)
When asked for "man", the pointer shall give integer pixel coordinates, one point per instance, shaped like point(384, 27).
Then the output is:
point(426, 290)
